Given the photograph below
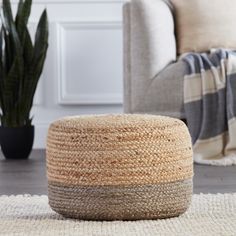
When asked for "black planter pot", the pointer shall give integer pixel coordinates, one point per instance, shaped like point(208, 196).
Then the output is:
point(16, 143)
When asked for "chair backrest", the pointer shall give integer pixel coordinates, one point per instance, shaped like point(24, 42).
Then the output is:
point(149, 45)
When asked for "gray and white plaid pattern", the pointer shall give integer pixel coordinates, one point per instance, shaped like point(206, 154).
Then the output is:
point(210, 105)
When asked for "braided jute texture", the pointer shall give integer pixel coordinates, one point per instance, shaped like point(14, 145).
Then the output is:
point(116, 167)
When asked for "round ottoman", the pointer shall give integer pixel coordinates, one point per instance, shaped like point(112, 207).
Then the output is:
point(119, 167)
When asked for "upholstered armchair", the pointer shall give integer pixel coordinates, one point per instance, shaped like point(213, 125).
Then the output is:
point(153, 80)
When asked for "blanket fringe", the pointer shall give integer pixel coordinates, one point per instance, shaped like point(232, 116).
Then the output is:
point(224, 161)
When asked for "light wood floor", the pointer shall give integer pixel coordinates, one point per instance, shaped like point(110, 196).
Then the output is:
point(29, 176)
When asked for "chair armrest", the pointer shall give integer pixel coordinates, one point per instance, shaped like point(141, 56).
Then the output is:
point(149, 46)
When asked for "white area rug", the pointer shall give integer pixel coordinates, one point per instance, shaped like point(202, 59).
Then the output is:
point(31, 215)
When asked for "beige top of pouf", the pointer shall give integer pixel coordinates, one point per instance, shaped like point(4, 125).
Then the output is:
point(115, 121)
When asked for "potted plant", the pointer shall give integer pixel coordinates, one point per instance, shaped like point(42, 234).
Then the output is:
point(21, 64)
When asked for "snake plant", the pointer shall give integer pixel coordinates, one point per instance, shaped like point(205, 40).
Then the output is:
point(21, 63)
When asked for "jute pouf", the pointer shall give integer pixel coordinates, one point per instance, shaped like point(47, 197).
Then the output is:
point(119, 167)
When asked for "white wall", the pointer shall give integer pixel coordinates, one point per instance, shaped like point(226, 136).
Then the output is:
point(83, 70)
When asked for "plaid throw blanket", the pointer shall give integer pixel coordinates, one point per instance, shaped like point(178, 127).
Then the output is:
point(210, 106)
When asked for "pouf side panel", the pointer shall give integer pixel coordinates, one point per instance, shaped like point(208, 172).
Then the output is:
point(163, 156)
point(121, 202)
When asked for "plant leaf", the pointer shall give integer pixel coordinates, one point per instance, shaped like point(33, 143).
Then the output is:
point(19, 11)
point(1, 45)
point(1, 89)
point(22, 17)
point(10, 94)
point(39, 55)
point(6, 6)
point(12, 80)
point(28, 50)
point(41, 37)
point(8, 52)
